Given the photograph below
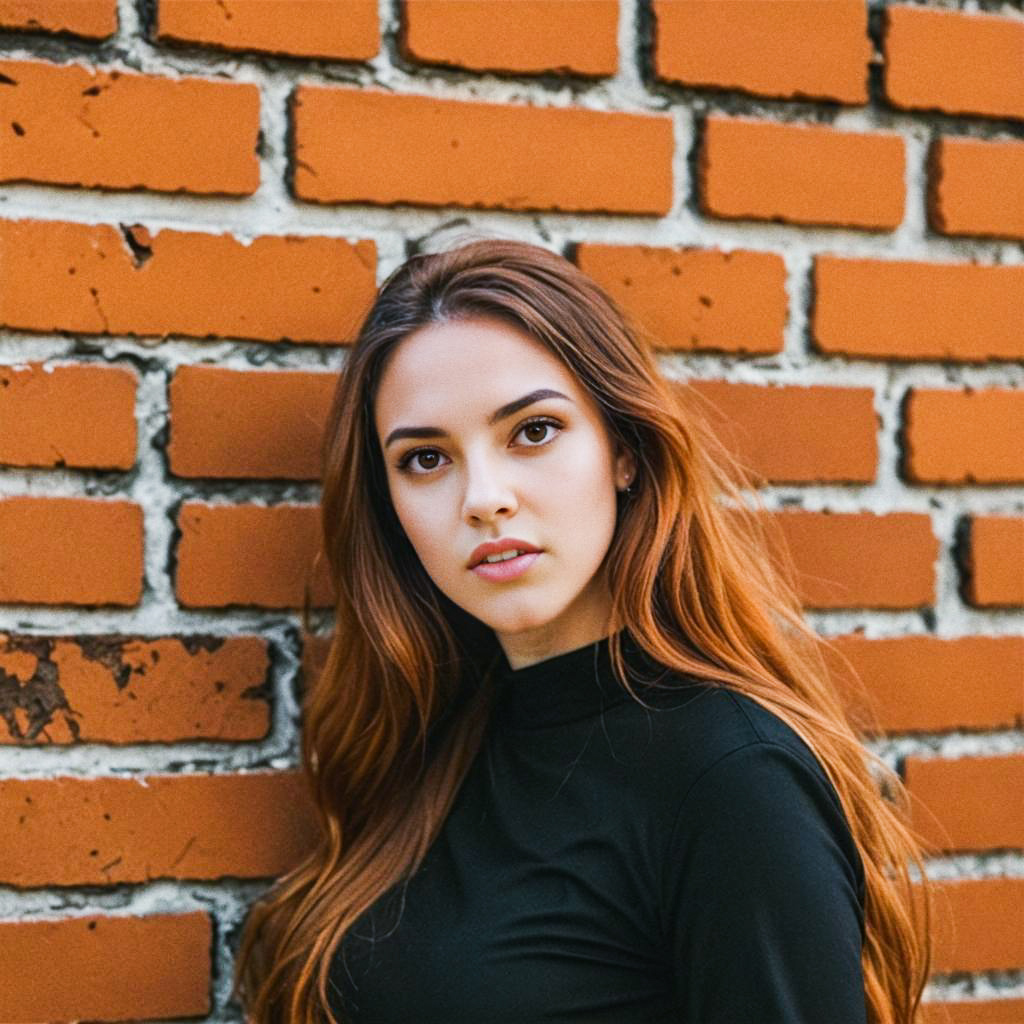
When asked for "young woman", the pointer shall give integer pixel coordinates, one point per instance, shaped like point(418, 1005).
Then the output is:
point(575, 752)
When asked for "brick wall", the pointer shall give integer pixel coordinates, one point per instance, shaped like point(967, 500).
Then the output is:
point(816, 209)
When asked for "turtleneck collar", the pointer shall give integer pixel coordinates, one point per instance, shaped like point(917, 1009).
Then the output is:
point(565, 687)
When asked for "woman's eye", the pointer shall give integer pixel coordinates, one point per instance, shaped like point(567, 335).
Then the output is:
point(536, 431)
point(412, 463)
point(423, 461)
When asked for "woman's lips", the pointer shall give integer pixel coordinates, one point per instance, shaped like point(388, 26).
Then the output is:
point(500, 571)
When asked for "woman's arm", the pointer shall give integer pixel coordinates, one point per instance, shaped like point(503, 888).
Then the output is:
point(762, 892)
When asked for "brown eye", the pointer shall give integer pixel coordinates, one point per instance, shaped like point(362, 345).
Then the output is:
point(413, 462)
point(537, 432)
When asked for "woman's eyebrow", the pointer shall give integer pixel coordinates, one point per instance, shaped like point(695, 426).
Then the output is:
point(499, 414)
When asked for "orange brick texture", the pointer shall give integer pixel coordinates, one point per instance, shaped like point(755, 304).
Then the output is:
point(812, 212)
point(339, 29)
point(132, 689)
point(82, 127)
point(369, 146)
point(106, 968)
point(90, 19)
point(526, 36)
point(105, 831)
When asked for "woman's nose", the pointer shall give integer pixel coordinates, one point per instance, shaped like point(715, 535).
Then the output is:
point(489, 493)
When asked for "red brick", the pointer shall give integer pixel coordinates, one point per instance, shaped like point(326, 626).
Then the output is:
point(91, 19)
point(978, 925)
point(795, 434)
point(695, 299)
point(975, 1011)
point(70, 551)
point(85, 278)
point(787, 48)
point(524, 36)
point(888, 309)
point(365, 145)
point(995, 562)
point(925, 683)
point(977, 187)
point(106, 968)
point(801, 174)
point(111, 831)
point(341, 29)
point(970, 803)
point(113, 129)
point(250, 555)
point(234, 423)
point(132, 689)
point(963, 437)
point(860, 560)
point(78, 416)
point(954, 61)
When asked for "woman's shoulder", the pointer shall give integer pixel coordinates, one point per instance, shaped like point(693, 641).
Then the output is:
point(686, 727)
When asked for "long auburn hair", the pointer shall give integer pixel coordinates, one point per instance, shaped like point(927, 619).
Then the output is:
point(698, 574)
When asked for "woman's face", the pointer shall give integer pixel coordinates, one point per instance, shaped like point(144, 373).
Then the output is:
point(487, 463)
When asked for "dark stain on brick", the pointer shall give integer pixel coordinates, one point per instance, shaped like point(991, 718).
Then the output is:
point(201, 642)
point(259, 692)
point(38, 698)
point(18, 130)
point(109, 652)
point(138, 241)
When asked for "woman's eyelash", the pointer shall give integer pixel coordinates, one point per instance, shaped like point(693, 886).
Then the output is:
point(404, 462)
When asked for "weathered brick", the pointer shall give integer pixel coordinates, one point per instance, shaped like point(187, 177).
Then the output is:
point(932, 684)
point(861, 560)
point(250, 555)
point(71, 125)
point(340, 29)
point(801, 174)
point(787, 48)
point(963, 437)
point(978, 925)
point(968, 803)
point(91, 19)
point(104, 968)
point(70, 551)
point(96, 279)
point(794, 434)
point(132, 689)
point(110, 831)
point(525, 36)
point(954, 61)
point(977, 187)
point(888, 309)
point(365, 145)
point(695, 299)
point(235, 423)
point(995, 562)
point(974, 1011)
point(77, 416)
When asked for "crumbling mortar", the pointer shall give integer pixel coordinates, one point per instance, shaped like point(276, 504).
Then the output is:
point(241, 491)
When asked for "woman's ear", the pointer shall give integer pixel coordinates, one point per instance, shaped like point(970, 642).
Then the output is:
point(625, 468)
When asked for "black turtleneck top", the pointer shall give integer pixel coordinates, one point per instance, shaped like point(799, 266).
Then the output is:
point(606, 861)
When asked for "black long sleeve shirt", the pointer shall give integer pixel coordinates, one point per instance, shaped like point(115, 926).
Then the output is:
point(605, 861)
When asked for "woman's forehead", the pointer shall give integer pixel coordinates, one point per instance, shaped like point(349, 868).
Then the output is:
point(471, 363)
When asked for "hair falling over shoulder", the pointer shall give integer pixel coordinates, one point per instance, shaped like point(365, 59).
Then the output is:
point(699, 577)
